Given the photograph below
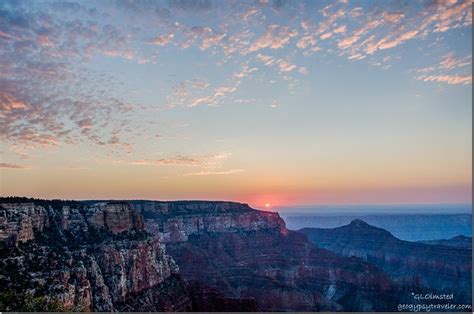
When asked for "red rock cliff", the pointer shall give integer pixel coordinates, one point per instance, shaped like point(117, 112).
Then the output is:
point(117, 217)
point(77, 255)
point(250, 255)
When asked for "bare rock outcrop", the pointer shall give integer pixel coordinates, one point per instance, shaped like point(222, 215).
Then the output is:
point(117, 217)
point(175, 221)
point(77, 257)
point(19, 221)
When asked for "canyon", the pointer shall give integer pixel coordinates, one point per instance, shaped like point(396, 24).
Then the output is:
point(250, 254)
point(178, 256)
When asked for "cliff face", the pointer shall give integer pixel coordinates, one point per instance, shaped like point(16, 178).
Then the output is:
point(18, 221)
point(117, 217)
point(250, 255)
point(174, 222)
point(75, 257)
point(435, 267)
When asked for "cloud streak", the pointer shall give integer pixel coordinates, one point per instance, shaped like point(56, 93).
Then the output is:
point(214, 173)
point(445, 72)
point(448, 79)
point(13, 166)
point(275, 37)
point(203, 161)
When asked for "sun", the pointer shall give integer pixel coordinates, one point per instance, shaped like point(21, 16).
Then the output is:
point(267, 205)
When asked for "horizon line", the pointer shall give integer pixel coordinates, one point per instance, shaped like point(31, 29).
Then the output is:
point(241, 202)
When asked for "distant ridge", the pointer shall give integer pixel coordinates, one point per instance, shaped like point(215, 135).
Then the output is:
point(437, 267)
point(457, 241)
point(410, 227)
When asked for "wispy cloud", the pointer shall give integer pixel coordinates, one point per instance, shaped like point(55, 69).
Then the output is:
point(274, 38)
point(13, 166)
point(214, 173)
point(198, 93)
point(203, 161)
point(451, 70)
point(449, 79)
point(283, 65)
point(450, 61)
point(214, 98)
point(162, 40)
point(387, 30)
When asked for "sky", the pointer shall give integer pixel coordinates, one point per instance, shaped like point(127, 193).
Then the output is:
point(264, 102)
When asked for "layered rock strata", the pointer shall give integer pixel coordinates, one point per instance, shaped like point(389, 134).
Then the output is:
point(83, 258)
point(248, 254)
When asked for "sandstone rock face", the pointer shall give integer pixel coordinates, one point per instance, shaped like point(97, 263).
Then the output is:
point(117, 217)
point(436, 268)
point(74, 290)
point(18, 221)
point(73, 219)
point(176, 221)
point(84, 258)
point(250, 255)
point(132, 267)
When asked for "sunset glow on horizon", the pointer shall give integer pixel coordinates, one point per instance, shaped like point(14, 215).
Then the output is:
point(271, 103)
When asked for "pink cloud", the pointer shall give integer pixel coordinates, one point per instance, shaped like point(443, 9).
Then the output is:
point(204, 161)
point(13, 166)
point(211, 40)
point(38, 139)
point(162, 40)
point(447, 15)
point(326, 35)
point(385, 43)
point(9, 103)
point(449, 79)
point(331, 18)
point(357, 35)
point(250, 12)
point(395, 17)
point(267, 60)
point(286, 66)
point(402, 27)
point(214, 98)
point(128, 54)
point(450, 61)
point(283, 65)
point(246, 71)
point(426, 69)
point(306, 41)
point(275, 37)
point(214, 173)
point(340, 30)
point(443, 73)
